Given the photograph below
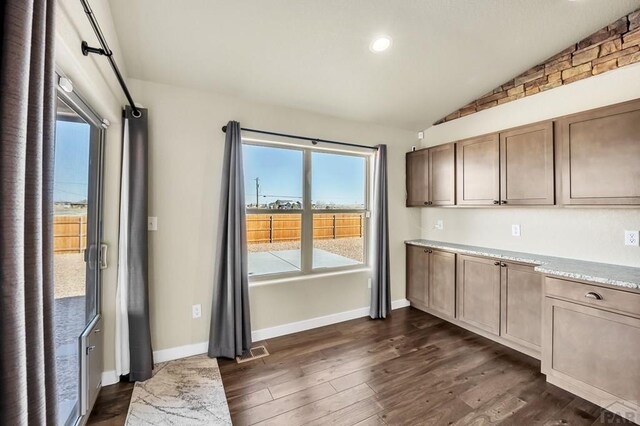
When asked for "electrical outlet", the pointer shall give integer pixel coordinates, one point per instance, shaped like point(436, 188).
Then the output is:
point(152, 223)
point(515, 230)
point(631, 238)
point(196, 311)
point(439, 224)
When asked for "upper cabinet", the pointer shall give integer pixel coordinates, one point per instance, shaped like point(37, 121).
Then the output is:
point(431, 176)
point(478, 170)
point(601, 156)
point(526, 165)
point(418, 178)
point(591, 158)
point(442, 175)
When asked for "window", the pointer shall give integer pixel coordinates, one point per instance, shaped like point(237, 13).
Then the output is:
point(297, 225)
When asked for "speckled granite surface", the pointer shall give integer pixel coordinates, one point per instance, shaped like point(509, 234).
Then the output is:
point(600, 273)
point(186, 391)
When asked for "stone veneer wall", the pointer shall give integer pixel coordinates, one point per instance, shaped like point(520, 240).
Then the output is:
point(614, 46)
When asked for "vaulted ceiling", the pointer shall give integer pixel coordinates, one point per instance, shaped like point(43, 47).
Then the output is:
point(314, 54)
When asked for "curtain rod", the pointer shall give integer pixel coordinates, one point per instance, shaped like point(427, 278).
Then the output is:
point(105, 51)
point(314, 141)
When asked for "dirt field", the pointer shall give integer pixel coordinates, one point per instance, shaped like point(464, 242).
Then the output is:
point(69, 275)
point(347, 247)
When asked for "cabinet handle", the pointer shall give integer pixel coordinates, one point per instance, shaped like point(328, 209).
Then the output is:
point(496, 202)
point(426, 251)
point(593, 295)
point(430, 251)
point(426, 203)
point(496, 263)
point(504, 265)
point(503, 202)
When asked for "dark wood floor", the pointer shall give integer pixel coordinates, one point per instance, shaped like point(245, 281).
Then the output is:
point(410, 369)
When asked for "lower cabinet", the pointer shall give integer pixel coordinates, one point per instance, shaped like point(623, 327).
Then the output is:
point(478, 287)
point(431, 279)
point(521, 316)
point(591, 344)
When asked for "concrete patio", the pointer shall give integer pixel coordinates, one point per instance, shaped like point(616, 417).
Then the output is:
point(280, 261)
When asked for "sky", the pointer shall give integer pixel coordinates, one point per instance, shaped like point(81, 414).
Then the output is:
point(70, 181)
point(336, 179)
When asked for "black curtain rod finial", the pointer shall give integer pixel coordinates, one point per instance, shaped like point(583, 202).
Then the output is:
point(224, 129)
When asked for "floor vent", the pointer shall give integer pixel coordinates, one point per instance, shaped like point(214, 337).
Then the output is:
point(253, 353)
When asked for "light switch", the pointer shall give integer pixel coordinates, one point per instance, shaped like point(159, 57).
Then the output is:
point(152, 223)
point(631, 238)
point(515, 230)
point(196, 311)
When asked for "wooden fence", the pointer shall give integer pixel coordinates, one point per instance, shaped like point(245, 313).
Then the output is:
point(69, 234)
point(270, 228)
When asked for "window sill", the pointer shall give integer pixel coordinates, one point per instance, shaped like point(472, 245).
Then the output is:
point(258, 281)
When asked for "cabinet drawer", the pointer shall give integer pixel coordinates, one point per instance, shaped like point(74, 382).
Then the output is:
point(601, 297)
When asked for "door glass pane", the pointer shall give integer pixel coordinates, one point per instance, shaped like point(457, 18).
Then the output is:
point(273, 183)
point(73, 226)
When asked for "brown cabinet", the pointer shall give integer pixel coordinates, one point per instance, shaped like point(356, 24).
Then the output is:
point(478, 170)
point(442, 175)
point(601, 156)
point(527, 166)
point(431, 176)
point(442, 282)
point(521, 316)
point(590, 350)
point(417, 275)
point(478, 288)
point(431, 279)
point(417, 163)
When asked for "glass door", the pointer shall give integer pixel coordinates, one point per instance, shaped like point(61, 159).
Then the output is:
point(77, 236)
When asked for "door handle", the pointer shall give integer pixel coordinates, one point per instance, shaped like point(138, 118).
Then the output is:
point(103, 256)
point(90, 349)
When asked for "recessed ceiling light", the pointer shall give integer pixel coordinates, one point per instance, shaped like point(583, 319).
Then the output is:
point(380, 44)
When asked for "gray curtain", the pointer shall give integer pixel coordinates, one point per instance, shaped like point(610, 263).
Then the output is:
point(134, 237)
point(27, 127)
point(230, 332)
point(381, 279)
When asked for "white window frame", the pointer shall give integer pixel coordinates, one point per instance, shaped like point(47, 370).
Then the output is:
point(306, 232)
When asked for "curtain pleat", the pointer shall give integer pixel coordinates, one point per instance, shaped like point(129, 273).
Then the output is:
point(381, 276)
point(133, 273)
point(27, 123)
point(230, 331)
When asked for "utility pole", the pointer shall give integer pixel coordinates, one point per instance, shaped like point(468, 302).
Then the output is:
point(257, 192)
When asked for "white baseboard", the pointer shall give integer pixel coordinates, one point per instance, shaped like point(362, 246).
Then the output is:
point(163, 355)
point(170, 354)
point(295, 327)
point(109, 377)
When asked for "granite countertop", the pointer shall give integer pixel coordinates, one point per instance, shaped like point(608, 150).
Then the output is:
point(600, 273)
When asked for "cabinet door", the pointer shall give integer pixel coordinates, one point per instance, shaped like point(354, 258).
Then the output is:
point(600, 151)
point(418, 178)
point(521, 320)
point(479, 292)
point(478, 171)
point(526, 165)
point(417, 275)
point(442, 282)
point(442, 176)
point(593, 350)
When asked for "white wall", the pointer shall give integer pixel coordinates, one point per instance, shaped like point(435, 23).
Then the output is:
point(594, 234)
point(185, 157)
point(93, 79)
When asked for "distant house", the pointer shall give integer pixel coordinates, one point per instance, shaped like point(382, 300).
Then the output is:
point(285, 205)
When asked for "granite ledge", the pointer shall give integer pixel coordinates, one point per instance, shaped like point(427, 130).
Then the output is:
point(598, 273)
